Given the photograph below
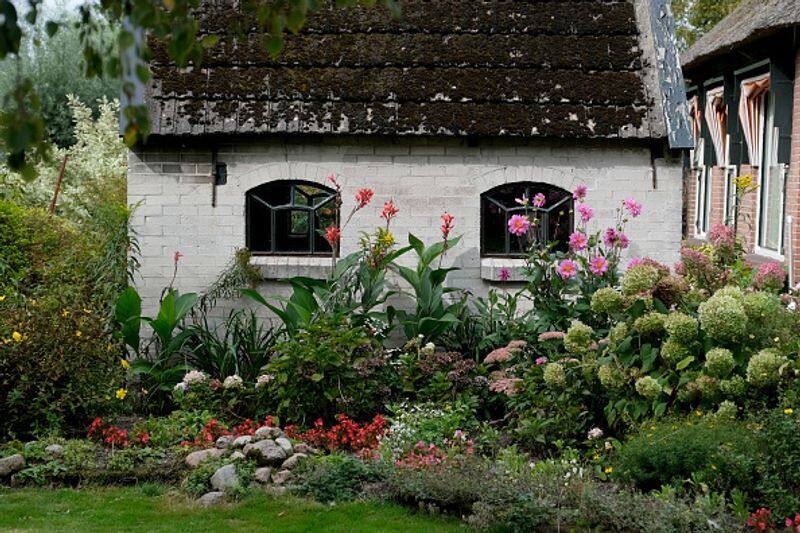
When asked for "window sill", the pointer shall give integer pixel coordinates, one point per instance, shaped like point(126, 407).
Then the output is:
point(491, 267)
point(279, 267)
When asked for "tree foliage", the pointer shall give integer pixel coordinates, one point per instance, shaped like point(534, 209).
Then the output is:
point(694, 18)
point(22, 128)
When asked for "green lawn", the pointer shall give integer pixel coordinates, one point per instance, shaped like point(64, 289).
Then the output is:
point(149, 508)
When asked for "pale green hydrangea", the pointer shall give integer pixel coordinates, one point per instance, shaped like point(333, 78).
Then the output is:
point(608, 301)
point(554, 375)
point(673, 352)
point(763, 370)
point(708, 386)
point(734, 387)
point(761, 306)
point(578, 338)
point(618, 333)
point(723, 319)
point(650, 325)
point(727, 410)
point(640, 278)
point(611, 377)
point(648, 387)
point(681, 328)
point(731, 290)
point(720, 362)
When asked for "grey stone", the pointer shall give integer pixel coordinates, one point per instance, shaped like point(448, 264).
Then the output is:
point(268, 433)
point(11, 464)
point(56, 450)
point(224, 442)
point(246, 448)
point(242, 441)
point(305, 448)
point(225, 478)
point(237, 456)
point(293, 461)
point(285, 445)
point(211, 498)
point(266, 453)
point(280, 478)
point(195, 458)
point(263, 475)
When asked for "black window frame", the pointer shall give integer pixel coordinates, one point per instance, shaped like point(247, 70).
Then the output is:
point(258, 197)
point(529, 189)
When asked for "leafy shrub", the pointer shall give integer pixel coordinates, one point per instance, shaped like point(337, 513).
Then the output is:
point(778, 486)
point(330, 367)
point(335, 477)
point(720, 453)
point(427, 423)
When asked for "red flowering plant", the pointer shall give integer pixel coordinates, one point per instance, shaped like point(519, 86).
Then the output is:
point(761, 521)
point(345, 435)
point(427, 455)
point(112, 436)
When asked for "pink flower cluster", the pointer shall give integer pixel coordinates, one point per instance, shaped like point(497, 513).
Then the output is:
point(425, 455)
point(615, 239)
point(518, 225)
point(770, 276)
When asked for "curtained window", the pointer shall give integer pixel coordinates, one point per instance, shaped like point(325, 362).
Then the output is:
point(695, 120)
point(751, 115)
point(716, 113)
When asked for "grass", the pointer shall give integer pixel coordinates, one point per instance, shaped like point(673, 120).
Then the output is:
point(155, 508)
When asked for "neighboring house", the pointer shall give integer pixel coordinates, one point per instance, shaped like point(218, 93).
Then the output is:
point(459, 106)
point(744, 104)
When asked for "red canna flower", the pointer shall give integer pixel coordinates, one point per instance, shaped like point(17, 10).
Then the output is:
point(332, 235)
point(363, 197)
point(178, 256)
point(447, 227)
point(389, 211)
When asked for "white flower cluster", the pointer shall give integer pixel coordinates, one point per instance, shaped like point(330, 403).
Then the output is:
point(194, 377)
point(595, 433)
point(264, 379)
point(233, 382)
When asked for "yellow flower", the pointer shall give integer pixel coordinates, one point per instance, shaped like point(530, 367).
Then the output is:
point(788, 411)
point(109, 347)
point(17, 336)
point(387, 239)
point(78, 333)
point(64, 313)
point(121, 393)
point(698, 413)
point(608, 469)
point(87, 311)
point(144, 391)
point(125, 364)
point(596, 456)
point(2, 297)
point(713, 467)
point(33, 302)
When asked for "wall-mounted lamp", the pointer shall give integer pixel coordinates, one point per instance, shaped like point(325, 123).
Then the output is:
point(220, 176)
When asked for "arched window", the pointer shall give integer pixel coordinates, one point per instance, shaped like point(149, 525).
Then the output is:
point(498, 205)
point(283, 217)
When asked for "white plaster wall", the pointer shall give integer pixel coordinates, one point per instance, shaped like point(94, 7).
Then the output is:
point(425, 177)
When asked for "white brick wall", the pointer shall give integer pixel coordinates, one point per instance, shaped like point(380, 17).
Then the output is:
point(425, 177)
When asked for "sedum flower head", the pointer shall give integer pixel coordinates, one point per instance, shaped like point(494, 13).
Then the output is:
point(763, 370)
point(720, 362)
point(640, 278)
point(650, 325)
point(648, 387)
point(723, 319)
point(611, 377)
point(554, 375)
point(578, 338)
point(607, 300)
point(727, 410)
point(681, 328)
point(673, 352)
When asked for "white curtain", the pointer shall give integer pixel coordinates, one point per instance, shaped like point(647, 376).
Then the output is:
point(717, 119)
point(694, 118)
point(751, 114)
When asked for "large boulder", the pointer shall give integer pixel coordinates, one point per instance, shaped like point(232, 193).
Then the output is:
point(224, 442)
point(285, 444)
point(266, 453)
point(268, 433)
point(11, 464)
point(225, 478)
point(242, 441)
point(305, 448)
point(195, 458)
point(56, 450)
point(280, 478)
point(211, 498)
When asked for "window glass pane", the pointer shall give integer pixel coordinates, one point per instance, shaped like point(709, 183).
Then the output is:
point(259, 230)
point(773, 208)
point(285, 239)
point(494, 228)
point(299, 223)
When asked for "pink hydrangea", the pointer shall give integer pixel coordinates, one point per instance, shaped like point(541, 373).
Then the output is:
point(538, 200)
point(586, 212)
point(567, 269)
point(770, 276)
point(633, 207)
point(518, 225)
point(580, 192)
point(598, 265)
point(541, 360)
point(722, 236)
point(578, 241)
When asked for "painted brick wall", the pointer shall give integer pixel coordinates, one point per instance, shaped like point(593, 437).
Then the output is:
point(425, 177)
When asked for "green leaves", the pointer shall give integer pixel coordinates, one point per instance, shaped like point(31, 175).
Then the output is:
point(127, 313)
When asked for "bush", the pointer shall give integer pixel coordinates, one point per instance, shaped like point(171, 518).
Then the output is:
point(332, 478)
point(720, 453)
point(330, 367)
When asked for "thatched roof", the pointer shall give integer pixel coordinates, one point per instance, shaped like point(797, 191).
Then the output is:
point(751, 20)
point(557, 68)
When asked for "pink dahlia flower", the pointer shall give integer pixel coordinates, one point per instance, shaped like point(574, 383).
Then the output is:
point(518, 225)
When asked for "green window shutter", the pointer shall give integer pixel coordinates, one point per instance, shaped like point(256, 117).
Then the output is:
point(782, 88)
